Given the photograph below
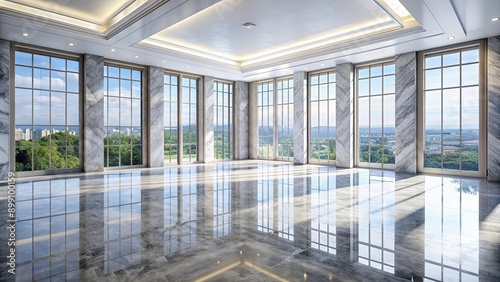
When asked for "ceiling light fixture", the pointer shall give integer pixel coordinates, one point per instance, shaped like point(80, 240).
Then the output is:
point(136, 57)
point(188, 67)
point(25, 34)
point(451, 37)
point(494, 19)
point(248, 25)
point(163, 61)
point(112, 50)
point(71, 44)
point(322, 65)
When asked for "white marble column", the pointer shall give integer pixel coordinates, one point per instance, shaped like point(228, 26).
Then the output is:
point(241, 120)
point(300, 118)
point(345, 115)
point(494, 108)
point(253, 121)
point(4, 109)
point(209, 119)
point(406, 113)
point(93, 113)
point(155, 100)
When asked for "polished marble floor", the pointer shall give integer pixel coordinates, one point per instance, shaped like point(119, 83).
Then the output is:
point(254, 221)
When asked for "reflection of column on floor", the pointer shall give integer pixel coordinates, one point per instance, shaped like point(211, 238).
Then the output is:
point(302, 212)
point(276, 197)
point(489, 218)
point(248, 204)
point(346, 210)
point(409, 230)
point(92, 228)
point(152, 216)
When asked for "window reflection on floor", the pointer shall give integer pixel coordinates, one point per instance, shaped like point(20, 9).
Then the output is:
point(323, 212)
point(376, 216)
point(170, 210)
point(48, 230)
point(222, 202)
point(122, 221)
point(451, 229)
point(276, 201)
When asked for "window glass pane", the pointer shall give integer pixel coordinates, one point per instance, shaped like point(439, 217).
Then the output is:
point(470, 56)
point(451, 77)
point(23, 77)
point(57, 64)
point(432, 62)
point(470, 74)
point(433, 79)
point(23, 58)
point(451, 59)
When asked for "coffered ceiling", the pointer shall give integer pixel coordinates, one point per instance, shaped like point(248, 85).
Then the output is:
point(207, 37)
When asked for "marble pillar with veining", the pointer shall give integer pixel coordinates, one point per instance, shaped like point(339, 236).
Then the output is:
point(93, 113)
point(241, 120)
point(406, 113)
point(4, 109)
point(253, 121)
point(156, 135)
point(300, 118)
point(209, 119)
point(345, 114)
point(494, 108)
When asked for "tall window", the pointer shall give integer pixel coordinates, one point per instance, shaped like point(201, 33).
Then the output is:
point(180, 118)
point(223, 129)
point(284, 103)
point(122, 116)
point(451, 110)
point(376, 115)
point(265, 92)
point(170, 114)
point(275, 114)
point(47, 106)
point(189, 119)
point(322, 131)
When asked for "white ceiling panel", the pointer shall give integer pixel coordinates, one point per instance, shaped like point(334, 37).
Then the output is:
point(279, 25)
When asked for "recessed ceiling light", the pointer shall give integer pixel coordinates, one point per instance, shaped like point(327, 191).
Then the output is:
point(306, 68)
point(112, 50)
point(451, 37)
point(188, 67)
point(25, 34)
point(322, 65)
point(163, 61)
point(248, 25)
point(136, 56)
point(71, 44)
point(494, 19)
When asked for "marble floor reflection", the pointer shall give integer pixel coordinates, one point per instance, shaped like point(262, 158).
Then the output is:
point(254, 221)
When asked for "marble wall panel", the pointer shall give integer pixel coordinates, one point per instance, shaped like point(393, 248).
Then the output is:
point(253, 121)
point(345, 114)
point(300, 118)
point(494, 108)
point(406, 113)
point(93, 113)
point(4, 109)
point(209, 119)
point(156, 135)
point(241, 116)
